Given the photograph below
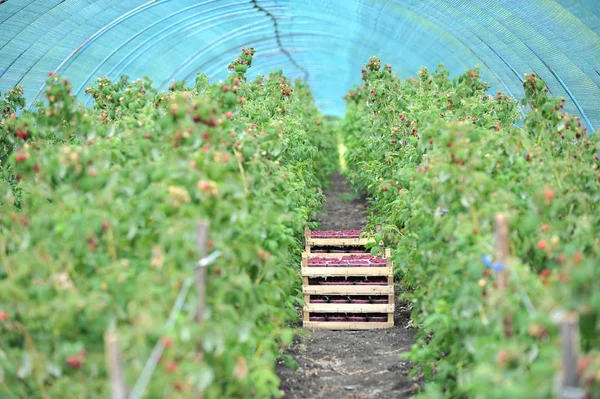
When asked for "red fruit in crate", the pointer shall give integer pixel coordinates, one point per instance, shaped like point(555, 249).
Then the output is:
point(542, 245)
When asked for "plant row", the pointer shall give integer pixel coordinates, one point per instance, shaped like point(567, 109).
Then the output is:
point(98, 212)
point(440, 157)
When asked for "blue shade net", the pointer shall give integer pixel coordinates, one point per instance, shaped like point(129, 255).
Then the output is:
point(324, 41)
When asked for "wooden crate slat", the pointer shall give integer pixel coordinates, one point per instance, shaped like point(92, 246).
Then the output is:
point(348, 289)
point(338, 242)
point(344, 325)
point(335, 254)
point(348, 308)
point(346, 271)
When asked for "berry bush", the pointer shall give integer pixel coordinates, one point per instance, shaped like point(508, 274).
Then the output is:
point(97, 222)
point(439, 158)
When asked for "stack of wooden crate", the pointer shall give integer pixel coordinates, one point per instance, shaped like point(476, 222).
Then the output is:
point(344, 287)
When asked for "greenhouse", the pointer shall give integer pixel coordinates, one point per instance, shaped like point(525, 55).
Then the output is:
point(299, 199)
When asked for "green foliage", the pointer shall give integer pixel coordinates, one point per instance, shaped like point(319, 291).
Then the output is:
point(439, 158)
point(108, 199)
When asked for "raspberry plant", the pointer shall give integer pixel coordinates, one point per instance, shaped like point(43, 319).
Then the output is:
point(439, 158)
point(97, 221)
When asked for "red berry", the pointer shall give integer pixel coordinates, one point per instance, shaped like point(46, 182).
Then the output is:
point(229, 114)
point(74, 362)
point(577, 257)
point(171, 367)
point(225, 89)
point(562, 258)
point(167, 341)
point(549, 194)
point(545, 227)
point(384, 188)
point(430, 142)
point(50, 73)
point(542, 245)
point(23, 156)
point(3, 316)
point(545, 273)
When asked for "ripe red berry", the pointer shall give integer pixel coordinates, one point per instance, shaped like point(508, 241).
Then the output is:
point(23, 156)
point(50, 73)
point(167, 341)
point(549, 194)
point(384, 188)
point(545, 273)
point(171, 367)
point(544, 227)
point(3, 316)
point(225, 89)
point(542, 245)
point(577, 257)
point(74, 362)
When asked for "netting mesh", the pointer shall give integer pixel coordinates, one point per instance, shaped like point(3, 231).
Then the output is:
point(325, 41)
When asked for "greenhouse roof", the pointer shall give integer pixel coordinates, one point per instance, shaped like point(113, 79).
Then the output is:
point(326, 41)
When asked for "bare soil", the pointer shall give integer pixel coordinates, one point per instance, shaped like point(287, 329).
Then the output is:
point(350, 364)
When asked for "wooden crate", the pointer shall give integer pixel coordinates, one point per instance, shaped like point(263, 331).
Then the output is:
point(310, 242)
point(350, 290)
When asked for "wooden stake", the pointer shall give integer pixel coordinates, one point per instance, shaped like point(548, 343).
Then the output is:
point(114, 365)
point(569, 337)
point(502, 251)
point(202, 243)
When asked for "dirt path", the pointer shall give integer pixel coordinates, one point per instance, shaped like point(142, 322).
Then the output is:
point(349, 364)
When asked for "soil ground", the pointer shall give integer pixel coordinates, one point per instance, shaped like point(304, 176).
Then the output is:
point(349, 364)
